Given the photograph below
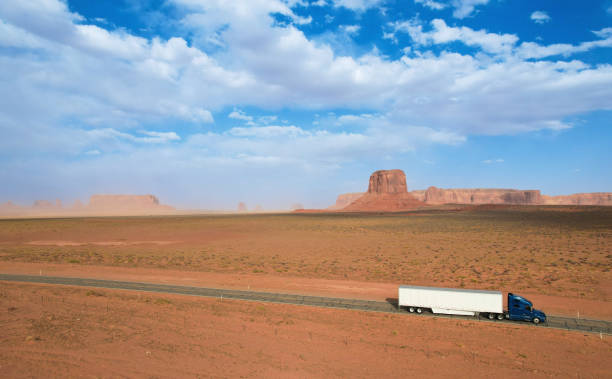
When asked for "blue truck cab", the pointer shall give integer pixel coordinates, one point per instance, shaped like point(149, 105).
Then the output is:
point(520, 308)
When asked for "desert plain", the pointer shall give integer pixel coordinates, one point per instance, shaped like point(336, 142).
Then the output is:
point(557, 256)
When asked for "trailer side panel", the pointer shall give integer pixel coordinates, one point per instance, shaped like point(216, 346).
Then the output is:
point(451, 300)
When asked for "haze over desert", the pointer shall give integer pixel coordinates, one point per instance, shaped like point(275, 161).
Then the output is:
point(305, 189)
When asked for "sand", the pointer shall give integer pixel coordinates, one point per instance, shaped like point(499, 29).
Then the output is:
point(52, 331)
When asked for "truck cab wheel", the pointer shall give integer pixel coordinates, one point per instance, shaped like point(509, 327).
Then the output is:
point(500, 316)
point(419, 310)
point(536, 320)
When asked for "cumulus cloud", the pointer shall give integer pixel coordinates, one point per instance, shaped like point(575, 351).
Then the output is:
point(157, 137)
point(294, 145)
point(70, 87)
point(532, 50)
point(465, 8)
point(442, 33)
point(504, 45)
point(357, 5)
point(237, 114)
point(432, 4)
point(318, 3)
point(131, 80)
point(540, 17)
point(351, 29)
point(462, 8)
point(266, 119)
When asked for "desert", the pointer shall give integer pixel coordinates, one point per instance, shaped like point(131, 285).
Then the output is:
point(305, 189)
point(558, 257)
point(51, 331)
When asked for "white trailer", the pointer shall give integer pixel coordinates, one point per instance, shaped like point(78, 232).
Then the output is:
point(452, 301)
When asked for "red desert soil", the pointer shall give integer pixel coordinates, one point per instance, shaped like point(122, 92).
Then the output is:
point(60, 331)
point(560, 257)
point(553, 305)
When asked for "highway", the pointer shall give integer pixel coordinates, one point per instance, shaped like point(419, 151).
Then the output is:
point(390, 306)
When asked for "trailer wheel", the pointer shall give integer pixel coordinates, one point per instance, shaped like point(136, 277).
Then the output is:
point(411, 309)
point(419, 310)
point(536, 320)
point(491, 316)
point(500, 316)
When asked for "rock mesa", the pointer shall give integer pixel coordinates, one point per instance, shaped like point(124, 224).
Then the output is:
point(594, 198)
point(435, 196)
point(126, 203)
point(345, 199)
point(387, 192)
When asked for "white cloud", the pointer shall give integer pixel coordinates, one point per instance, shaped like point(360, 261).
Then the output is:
point(464, 8)
point(532, 50)
point(118, 44)
point(237, 114)
point(431, 4)
point(540, 17)
point(158, 137)
point(98, 136)
point(266, 119)
point(267, 131)
point(442, 33)
point(503, 45)
point(90, 88)
point(490, 161)
point(357, 5)
point(12, 36)
point(350, 29)
point(603, 33)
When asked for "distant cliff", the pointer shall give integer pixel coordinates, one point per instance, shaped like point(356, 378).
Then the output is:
point(434, 195)
point(126, 203)
point(345, 199)
point(387, 191)
point(594, 198)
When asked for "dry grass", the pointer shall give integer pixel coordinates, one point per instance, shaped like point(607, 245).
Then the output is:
point(552, 250)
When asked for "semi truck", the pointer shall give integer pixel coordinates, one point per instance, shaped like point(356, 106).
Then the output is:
point(456, 301)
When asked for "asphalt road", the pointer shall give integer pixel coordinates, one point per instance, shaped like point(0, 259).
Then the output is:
point(389, 306)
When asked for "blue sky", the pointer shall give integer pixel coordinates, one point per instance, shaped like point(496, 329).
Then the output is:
point(275, 102)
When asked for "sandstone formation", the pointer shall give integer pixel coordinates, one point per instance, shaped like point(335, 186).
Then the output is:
point(387, 192)
point(45, 205)
point(387, 182)
point(126, 204)
point(435, 196)
point(242, 207)
point(78, 205)
point(107, 205)
point(9, 207)
point(296, 206)
point(345, 199)
point(594, 198)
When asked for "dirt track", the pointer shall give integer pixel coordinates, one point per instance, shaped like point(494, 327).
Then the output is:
point(584, 325)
